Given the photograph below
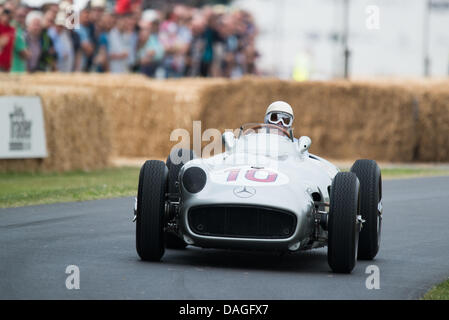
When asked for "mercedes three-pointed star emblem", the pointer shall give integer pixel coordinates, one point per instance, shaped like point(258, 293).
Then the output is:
point(244, 192)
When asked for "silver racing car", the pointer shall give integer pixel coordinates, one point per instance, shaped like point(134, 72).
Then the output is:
point(264, 192)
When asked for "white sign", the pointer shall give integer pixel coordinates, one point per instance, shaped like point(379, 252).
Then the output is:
point(22, 132)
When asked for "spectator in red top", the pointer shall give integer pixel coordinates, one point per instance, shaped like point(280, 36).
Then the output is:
point(128, 6)
point(122, 6)
point(7, 34)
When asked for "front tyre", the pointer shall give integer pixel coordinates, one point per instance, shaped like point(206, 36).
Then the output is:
point(370, 179)
point(343, 226)
point(150, 210)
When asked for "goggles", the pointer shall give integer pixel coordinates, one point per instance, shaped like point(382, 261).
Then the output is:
point(277, 117)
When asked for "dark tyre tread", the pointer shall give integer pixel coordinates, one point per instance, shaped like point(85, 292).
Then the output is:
point(369, 175)
point(343, 232)
point(150, 210)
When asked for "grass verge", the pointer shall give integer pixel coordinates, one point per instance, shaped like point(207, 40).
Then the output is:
point(20, 189)
point(392, 173)
point(439, 292)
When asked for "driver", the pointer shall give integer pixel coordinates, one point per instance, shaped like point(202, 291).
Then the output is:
point(280, 113)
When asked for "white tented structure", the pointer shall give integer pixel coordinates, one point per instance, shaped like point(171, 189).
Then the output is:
point(385, 37)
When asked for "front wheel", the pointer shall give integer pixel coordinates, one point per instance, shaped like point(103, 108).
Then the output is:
point(343, 225)
point(150, 210)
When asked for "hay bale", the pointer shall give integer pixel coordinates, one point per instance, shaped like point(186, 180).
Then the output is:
point(433, 144)
point(142, 118)
point(391, 120)
point(142, 112)
point(77, 130)
point(345, 120)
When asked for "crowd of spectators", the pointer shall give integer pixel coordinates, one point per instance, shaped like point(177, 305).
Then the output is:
point(121, 37)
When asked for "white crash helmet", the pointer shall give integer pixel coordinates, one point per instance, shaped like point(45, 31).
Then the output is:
point(279, 112)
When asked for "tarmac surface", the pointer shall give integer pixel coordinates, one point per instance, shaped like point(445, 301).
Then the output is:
point(37, 243)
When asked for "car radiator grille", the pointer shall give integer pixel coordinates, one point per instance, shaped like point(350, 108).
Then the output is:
point(241, 222)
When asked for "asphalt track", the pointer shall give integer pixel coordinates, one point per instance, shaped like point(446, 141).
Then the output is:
point(37, 244)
